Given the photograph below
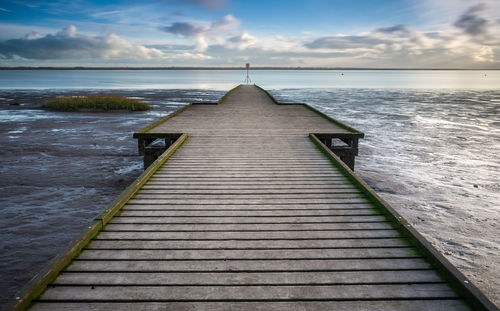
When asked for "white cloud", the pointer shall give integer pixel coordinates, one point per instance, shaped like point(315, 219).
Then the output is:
point(241, 41)
point(69, 44)
point(226, 22)
point(190, 56)
point(485, 54)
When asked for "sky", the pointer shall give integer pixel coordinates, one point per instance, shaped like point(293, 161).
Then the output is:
point(313, 33)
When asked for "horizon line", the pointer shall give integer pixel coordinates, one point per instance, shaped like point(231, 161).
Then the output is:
point(222, 68)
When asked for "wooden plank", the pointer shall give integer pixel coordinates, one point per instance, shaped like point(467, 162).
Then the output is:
point(233, 170)
point(340, 199)
point(247, 175)
point(246, 187)
point(250, 207)
point(247, 178)
point(255, 244)
point(261, 181)
point(210, 254)
point(261, 235)
point(247, 196)
point(195, 166)
point(194, 293)
point(226, 213)
point(242, 220)
point(248, 278)
point(220, 192)
point(397, 305)
point(250, 227)
point(321, 265)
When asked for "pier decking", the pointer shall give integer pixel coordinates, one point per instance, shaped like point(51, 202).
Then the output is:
point(251, 212)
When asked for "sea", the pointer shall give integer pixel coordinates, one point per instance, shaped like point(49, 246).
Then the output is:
point(431, 149)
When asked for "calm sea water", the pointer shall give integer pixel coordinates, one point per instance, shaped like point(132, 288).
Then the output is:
point(431, 149)
point(225, 79)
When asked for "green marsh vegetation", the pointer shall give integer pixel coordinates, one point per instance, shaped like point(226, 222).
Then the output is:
point(100, 102)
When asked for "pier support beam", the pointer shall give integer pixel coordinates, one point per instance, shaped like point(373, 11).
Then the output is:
point(152, 145)
point(344, 146)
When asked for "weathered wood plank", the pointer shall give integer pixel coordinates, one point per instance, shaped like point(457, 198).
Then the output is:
point(340, 199)
point(248, 278)
point(316, 192)
point(250, 227)
point(245, 187)
point(238, 181)
point(247, 196)
point(216, 175)
point(157, 254)
point(287, 235)
point(242, 244)
point(275, 213)
point(250, 265)
point(398, 305)
point(245, 206)
point(245, 219)
point(332, 292)
point(252, 181)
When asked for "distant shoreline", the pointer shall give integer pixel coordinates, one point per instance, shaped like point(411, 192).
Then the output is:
point(238, 68)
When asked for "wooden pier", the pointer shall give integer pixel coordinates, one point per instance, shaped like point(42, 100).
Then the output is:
point(250, 208)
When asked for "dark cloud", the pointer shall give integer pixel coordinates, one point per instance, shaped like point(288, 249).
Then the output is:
point(343, 42)
point(191, 29)
point(471, 21)
point(185, 29)
point(68, 44)
point(397, 29)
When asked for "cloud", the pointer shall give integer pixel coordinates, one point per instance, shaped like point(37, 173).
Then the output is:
point(5, 10)
point(226, 22)
point(468, 43)
point(343, 42)
point(185, 29)
point(202, 33)
point(397, 29)
point(471, 22)
point(191, 56)
point(241, 42)
point(485, 54)
point(69, 44)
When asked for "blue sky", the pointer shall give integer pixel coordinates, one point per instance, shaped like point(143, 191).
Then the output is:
point(367, 33)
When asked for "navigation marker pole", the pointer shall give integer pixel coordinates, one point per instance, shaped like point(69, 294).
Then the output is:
point(247, 79)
